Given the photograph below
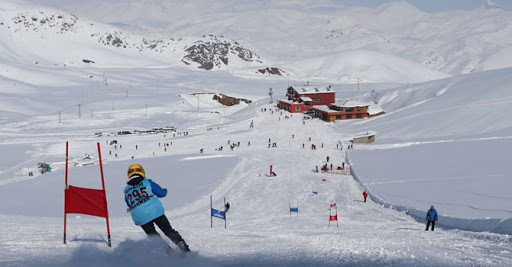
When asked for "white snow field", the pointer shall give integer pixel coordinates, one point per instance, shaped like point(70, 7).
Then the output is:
point(260, 230)
point(443, 141)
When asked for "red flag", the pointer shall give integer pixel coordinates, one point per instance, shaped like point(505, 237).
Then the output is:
point(333, 205)
point(86, 201)
point(333, 218)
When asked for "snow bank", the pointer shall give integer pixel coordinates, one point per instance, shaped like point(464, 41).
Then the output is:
point(462, 205)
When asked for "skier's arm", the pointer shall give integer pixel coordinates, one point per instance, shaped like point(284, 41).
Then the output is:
point(157, 189)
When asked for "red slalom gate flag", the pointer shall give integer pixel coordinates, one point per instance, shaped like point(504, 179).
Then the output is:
point(85, 201)
point(333, 205)
point(333, 217)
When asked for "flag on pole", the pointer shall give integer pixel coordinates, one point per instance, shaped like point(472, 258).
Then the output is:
point(85, 201)
point(333, 205)
point(333, 217)
point(294, 209)
point(218, 214)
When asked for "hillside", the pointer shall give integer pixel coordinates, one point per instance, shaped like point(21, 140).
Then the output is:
point(452, 42)
point(38, 42)
point(27, 32)
point(465, 106)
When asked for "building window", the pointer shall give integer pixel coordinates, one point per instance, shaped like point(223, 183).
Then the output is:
point(359, 116)
point(307, 104)
point(359, 110)
point(349, 110)
point(338, 117)
point(317, 99)
point(349, 116)
point(297, 108)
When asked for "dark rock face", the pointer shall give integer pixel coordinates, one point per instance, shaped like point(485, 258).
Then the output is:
point(38, 21)
point(215, 52)
point(271, 71)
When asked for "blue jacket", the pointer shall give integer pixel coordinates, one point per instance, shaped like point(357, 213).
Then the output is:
point(141, 201)
point(431, 215)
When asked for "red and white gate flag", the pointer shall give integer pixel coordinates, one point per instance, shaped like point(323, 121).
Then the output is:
point(333, 217)
point(333, 205)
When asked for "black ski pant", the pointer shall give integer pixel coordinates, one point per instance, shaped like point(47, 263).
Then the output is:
point(163, 223)
point(433, 225)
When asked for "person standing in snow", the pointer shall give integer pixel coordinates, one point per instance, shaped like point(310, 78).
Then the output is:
point(226, 207)
point(365, 195)
point(141, 196)
point(431, 218)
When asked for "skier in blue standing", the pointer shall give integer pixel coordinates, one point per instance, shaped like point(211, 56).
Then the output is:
point(141, 196)
point(431, 218)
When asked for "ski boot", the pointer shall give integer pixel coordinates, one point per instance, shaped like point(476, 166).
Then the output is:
point(183, 246)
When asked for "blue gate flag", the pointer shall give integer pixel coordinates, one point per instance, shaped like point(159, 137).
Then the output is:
point(219, 214)
point(294, 209)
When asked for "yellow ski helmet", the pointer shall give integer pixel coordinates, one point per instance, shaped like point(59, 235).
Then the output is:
point(136, 169)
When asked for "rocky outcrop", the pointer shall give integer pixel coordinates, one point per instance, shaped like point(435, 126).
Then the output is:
point(215, 52)
point(271, 71)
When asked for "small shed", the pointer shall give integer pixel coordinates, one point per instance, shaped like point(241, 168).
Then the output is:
point(365, 138)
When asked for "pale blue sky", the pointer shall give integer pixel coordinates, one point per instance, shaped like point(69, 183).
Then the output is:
point(424, 5)
point(433, 5)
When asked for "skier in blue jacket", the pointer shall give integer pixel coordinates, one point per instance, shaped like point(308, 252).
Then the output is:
point(141, 195)
point(431, 218)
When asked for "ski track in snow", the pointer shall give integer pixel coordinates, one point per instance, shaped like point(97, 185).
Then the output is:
point(259, 230)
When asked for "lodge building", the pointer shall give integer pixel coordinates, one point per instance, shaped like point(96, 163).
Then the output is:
point(346, 110)
point(322, 102)
point(302, 99)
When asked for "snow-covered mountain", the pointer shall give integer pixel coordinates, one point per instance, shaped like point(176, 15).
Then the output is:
point(44, 36)
point(452, 42)
point(50, 37)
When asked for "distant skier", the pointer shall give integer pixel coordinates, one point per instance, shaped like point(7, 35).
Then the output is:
point(226, 207)
point(365, 195)
point(140, 194)
point(431, 218)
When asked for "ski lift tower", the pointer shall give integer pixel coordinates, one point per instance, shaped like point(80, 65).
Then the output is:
point(270, 93)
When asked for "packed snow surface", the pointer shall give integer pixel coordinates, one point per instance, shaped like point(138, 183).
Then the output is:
point(260, 229)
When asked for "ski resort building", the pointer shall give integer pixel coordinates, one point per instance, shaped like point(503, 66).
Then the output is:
point(364, 138)
point(304, 98)
point(347, 110)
